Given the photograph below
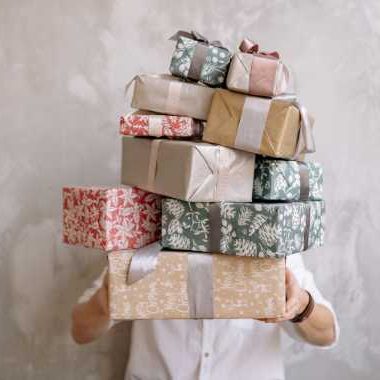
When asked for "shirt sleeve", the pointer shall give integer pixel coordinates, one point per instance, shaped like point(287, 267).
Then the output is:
point(306, 280)
point(95, 286)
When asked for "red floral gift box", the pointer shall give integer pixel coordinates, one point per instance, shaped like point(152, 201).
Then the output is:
point(150, 124)
point(110, 218)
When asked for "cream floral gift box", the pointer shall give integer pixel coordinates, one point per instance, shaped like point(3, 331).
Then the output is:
point(192, 286)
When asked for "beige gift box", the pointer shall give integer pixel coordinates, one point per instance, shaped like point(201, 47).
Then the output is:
point(269, 127)
point(192, 171)
point(191, 286)
point(169, 95)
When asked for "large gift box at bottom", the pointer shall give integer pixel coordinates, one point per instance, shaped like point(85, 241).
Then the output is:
point(191, 286)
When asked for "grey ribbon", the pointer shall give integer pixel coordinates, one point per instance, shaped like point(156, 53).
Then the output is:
point(199, 277)
point(200, 285)
point(195, 36)
point(307, 228)
point(304, 181)
point(143, 262)
point(305, 141)
point(215, 227)
point(199, 57)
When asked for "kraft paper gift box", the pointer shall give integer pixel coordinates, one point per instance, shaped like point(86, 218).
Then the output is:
point(193, 171)
point(256, 73)
point(195, 286)
point(243, 229)
point(269, 127)
point(284, 180)
point(146, 123)
point(110, 218)
point(197, 59)
point(166, 94)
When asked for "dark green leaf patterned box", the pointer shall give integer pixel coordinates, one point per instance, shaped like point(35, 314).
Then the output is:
point(244, 229)
point(287, 180)
point(210, 68)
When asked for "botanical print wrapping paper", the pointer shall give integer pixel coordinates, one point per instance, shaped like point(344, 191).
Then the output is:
point(213, 69)
point(193, 171)
point(281, 128)
point(166, 94)
point(150, 124)
point(242, 287)
point(110, 218)
point(247, 229)
point(280, 180)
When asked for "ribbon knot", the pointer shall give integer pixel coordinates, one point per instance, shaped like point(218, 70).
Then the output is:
point(252, 47)
point(194, 35)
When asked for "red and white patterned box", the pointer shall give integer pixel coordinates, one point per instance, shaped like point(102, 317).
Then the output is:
point(110, 218)
point(148, 124)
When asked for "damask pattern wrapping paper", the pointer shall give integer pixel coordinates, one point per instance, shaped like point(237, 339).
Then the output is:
point(149, 124)
point(193, 171)
point(242, 287)
point(110, 218)
point(213, 66)
point(243, 229)
point(282, 180)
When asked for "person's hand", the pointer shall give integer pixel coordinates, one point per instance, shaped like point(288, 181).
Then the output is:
point(296, 299)
point(102, 297)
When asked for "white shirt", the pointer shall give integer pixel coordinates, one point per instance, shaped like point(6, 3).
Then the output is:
point(213, 349)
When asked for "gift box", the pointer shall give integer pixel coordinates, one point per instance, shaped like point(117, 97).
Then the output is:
point(110, 218)
point(270, 127)
point(283, 180)
point(243, 229)
point(195, 286)
point(193, 171)
point(257, 73)
point(149, 124)
point(166, 94)
point(197, 59)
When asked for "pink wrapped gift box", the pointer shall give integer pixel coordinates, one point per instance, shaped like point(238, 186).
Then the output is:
point(150, 124)
point(110, 218)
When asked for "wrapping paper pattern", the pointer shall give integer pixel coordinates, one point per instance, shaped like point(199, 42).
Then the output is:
point(110, 218)
point(247, 229)
point(281, 128)
point(280, 180)
point(213, 69)
point(149, 124)
point(166, 94)
point(193, 171)
point(242, 288)
point(258, 75)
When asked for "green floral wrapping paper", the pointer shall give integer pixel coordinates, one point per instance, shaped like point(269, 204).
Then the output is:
point(247, 229)
point(280, 180)
point(214, 68)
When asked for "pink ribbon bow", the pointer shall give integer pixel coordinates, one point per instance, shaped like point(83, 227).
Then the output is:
point(249, 46)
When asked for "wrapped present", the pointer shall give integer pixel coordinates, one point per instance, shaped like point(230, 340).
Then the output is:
point(193, 171)
point(243, 229)
point(166, 94)
point(141, 123)
point(270, 127)
point(284, 180)
point(197, 59)
point(178, 285)
point(257, 73)
point(110, 218)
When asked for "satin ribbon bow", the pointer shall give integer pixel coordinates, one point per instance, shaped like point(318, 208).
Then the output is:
point(193, 35)
point(250, 47)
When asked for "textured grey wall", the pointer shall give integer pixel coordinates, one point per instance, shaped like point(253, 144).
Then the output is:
point(63, 65)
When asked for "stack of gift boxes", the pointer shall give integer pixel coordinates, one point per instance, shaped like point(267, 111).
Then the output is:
point(215, 191)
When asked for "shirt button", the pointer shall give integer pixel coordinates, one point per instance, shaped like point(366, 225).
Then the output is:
point(207, 354)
